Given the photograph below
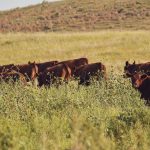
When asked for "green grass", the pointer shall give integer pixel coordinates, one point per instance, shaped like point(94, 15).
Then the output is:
point(104, 115)
point(111, 47)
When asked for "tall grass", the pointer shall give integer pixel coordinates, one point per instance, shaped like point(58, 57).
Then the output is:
point(102, 116)
point(106, 115)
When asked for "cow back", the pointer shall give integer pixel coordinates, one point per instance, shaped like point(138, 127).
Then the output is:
point(6, 68)
point(92, 69)
point(75, 63)
point(43, 66)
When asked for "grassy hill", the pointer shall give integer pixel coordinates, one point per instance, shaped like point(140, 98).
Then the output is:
point(78, 15)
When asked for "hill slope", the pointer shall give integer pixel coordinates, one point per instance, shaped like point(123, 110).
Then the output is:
point(78, 15)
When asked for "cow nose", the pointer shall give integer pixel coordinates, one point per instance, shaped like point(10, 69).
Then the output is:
point(124, 76)
point(135, 85)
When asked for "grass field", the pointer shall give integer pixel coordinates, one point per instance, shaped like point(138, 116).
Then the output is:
point(104, 115)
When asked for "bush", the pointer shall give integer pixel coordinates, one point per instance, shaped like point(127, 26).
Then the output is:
point(105, 115)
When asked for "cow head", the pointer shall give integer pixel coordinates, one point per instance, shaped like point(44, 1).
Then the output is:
point(130, 69)
point(34, 70)
point(137, 80)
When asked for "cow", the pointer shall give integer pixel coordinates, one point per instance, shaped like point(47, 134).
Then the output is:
point(44, 65)
point(131, 69)
point(141, 82)
point(53, 74)
point(6, 68)
point(75, 63)
point(87, 71)
point(13, 76)
point(30, 70)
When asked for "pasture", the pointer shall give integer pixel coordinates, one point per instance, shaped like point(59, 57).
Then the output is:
point(102, 116)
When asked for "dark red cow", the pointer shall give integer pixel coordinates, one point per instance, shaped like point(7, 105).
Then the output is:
point(13, 76)
point(87, 71)
point(74, 63)
point(54, 74)
point(142, 83)
point(6, 68)
point(44, 65)
point(30, 70)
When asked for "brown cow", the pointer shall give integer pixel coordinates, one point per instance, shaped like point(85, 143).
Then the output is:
point(53, 74)
point(131, 69)
point(30, 70)
point(73, 64)
point(142, 83)
point(13, 76)
point(43, 66)
point(6, 68)
point(87, 71)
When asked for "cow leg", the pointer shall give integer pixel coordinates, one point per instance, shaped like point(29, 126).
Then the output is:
point(81, 81)
point(85, 80)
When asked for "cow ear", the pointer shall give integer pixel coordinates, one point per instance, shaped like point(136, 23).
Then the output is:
point(134, 63)
point(127, 63)
point(29, 62)
point(144, 76)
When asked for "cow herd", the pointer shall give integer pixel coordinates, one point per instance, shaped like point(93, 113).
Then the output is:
point(54, 72)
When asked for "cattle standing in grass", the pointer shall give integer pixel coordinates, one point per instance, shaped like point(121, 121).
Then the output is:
point(13, 76)
point(131, 69)
point(30, 70)
point(43, 66)
point(73, 64)
point(142, 83)
point(6, 68)
point(54, 74)
point(87, 71)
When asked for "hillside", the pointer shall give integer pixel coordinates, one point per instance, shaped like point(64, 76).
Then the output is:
point(78, 15)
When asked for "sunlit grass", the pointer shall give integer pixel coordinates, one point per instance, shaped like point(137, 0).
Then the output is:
point(111, 47)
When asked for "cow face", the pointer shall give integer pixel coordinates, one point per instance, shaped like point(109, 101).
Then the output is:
point(34, 70)
point(137, 80)
point(130, 69)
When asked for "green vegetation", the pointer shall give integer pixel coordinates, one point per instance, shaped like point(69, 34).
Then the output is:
point(78, 15)
point(106, 115)
point(95, 117)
